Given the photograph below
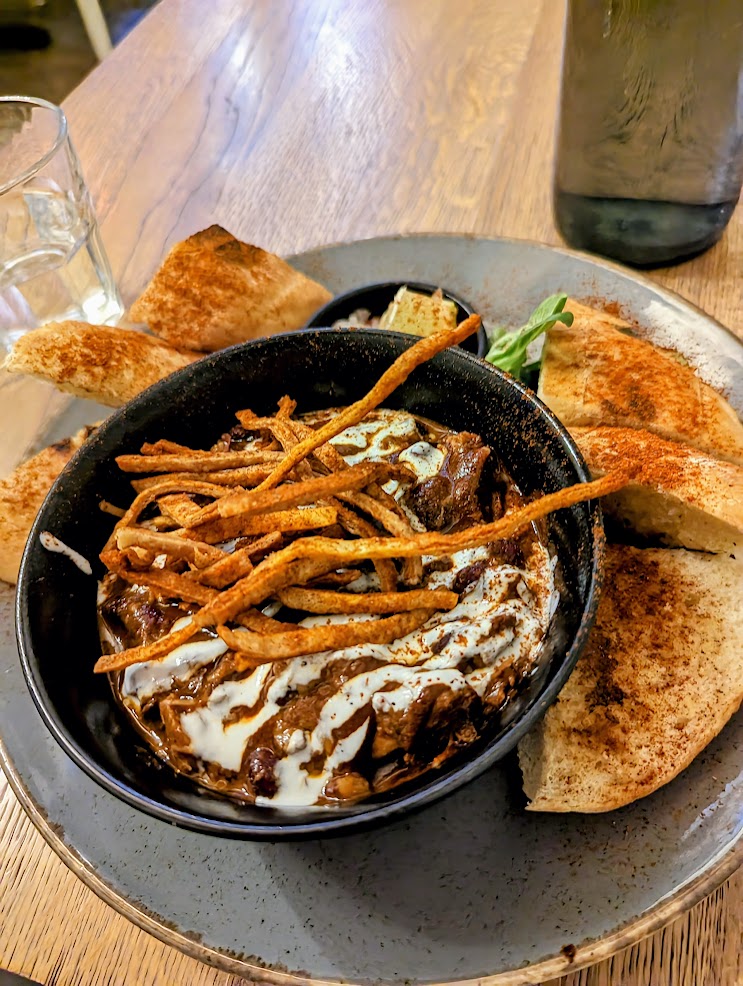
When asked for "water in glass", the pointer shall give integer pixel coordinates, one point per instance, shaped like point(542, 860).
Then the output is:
point(53, 266)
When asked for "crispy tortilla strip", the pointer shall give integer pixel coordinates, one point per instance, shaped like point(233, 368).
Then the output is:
point(148, 496)
point(411, 571)
point(237, 564)
point(326, 455)
point(161, 523)
point(135, 655)
point(385, 569)
point(115, 559)
point(327, 601)
point(189, 484)
point(235, 478)
point(164, 446)
point(134, 558)
point(307, 519)
point(391, 520)
point(262, 582)
point(100, 362)
point(172, 545)
point(21, 496)
point(279, 427)
point(287, 406)
point(258, 622)
point(139, 503)
point(212, 291)
point(390, 380)
point(297, 494)
point(223, 573)
point(335, 636)
point(194, 461)
point(262, 546)
point(437, 544)
point(171, 585)
point(179, 506)
point(234, 566)
point(109, 508)
point(301, 561)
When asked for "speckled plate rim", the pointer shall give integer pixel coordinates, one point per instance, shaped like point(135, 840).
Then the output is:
point(628, 273)
point(666, 910)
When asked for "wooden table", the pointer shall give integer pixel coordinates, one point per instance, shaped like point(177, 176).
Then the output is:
point(296, 123)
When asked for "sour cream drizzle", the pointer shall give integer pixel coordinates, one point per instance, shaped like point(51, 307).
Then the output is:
point(52, 543)
point(151, 677)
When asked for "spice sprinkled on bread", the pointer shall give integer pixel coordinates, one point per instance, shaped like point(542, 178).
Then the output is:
point(660, 676)
point(595, 374)
point(681, 495)
point(213, 291)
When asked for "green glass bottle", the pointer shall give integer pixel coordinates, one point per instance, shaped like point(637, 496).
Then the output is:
point(649, 156)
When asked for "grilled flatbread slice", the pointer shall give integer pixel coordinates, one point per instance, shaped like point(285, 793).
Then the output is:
point(660, 676)
point(103, 363)
point(685, 497)
point(213, 291)
point(593, 373)
point(21, 496)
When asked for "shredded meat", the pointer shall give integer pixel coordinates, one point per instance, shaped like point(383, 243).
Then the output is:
point(451, 496)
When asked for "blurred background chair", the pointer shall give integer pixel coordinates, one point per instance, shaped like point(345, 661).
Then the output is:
point(95, 25)
point(47, 47)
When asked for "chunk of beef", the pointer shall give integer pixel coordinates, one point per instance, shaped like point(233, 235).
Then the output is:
point(428, 725)
point(466, 576)
point(136, 617)
point(262, 771)
point(396, 729)
point(451, 496)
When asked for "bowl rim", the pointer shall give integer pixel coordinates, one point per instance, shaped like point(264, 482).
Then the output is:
point(325, 825)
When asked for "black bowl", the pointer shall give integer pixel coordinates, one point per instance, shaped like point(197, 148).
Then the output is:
point(376, 297)
point(56, 602)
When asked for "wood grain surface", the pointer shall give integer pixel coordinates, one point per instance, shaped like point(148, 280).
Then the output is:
point(296, 123)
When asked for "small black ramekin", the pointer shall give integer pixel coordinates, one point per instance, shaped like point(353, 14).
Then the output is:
point(376, 297)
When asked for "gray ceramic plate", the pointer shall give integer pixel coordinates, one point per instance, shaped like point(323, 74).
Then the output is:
point(473, 887)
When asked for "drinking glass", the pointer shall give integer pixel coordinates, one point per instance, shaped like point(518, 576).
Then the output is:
point(52, 263)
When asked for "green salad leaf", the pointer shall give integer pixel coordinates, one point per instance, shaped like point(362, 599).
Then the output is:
point(508, 349)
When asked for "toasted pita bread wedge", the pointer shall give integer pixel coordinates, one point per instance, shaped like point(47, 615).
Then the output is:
point(659, 678)
point(686, 498)
point(23, 492)
point(213, 291)
point(593, 373)
point(103, 363)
